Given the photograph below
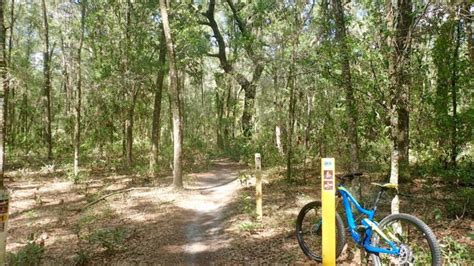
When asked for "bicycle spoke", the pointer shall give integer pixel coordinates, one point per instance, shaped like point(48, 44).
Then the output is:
point(409, 238)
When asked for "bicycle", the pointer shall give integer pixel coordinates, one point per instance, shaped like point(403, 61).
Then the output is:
point(399, 239)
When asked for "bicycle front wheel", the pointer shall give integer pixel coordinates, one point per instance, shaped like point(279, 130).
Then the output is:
point(309, 231)
point(417, 243)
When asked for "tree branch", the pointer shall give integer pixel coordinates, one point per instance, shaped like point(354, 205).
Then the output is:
point(209, 14)
point(240, 23)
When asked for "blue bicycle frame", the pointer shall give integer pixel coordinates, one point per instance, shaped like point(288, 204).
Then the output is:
point(368, 223)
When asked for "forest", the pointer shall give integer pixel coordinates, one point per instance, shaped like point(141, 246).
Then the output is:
point(128, 129)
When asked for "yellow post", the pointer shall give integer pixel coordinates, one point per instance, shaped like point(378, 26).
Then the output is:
point(328, 188)
point(258, 185)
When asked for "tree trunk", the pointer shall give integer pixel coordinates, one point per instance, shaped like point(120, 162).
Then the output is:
point(46, 99)
point(66, 86)
point(175, 100)
point(291, 83)
point(129, 126)
point(156, 123)
point(4, 197)
point(291, 116)
point(454, 145)
point(3, 106)
point(47, 85)
point(351, 112)
point(278, 138)
point(220, 81)
point(468, 24)
point(77, 126)
point(9, 92)
point(291, 125)
point(399, 22)
point(307, 132)
point(249, 86)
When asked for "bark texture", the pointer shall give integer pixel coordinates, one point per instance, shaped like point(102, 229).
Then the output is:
point(351, 112)
point(248, 85)
point(399, 16)
point(156, 123)
point(3, 107)
point(46, 98)
point(175, 100)
point(77, 126)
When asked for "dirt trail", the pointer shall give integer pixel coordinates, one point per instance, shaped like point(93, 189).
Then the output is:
point(161, 225)
point(209, 199)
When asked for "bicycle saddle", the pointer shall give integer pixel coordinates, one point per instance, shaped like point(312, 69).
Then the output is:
point(386, 185)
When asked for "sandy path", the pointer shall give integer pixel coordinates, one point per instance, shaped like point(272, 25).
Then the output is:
point(209, 199)
point(162, 225)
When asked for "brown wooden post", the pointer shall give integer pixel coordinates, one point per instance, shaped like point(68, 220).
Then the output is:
point(258, 185)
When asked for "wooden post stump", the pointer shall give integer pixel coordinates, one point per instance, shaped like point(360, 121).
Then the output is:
point(258, 185)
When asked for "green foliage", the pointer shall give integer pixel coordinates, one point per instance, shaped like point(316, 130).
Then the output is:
point(91, 236)
point(463, 206)
point(244, 177)
point(31, 254)
point(109, 238)
point(249, 226)
point(82, 257)
point(455, 253)
point(247, 204)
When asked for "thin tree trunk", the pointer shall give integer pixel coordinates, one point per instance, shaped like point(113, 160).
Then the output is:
point(404, 138)
point(46, 98)
point(156, 123)
point(399, 21)
point(4, 197)
point(220, 111)
point(454, 145)
point(175, 100)
point(66, 80)
point(131, 92)
point(293, 100)
point(291, 117)
point(351, 113)
point(77, 126)
point(307, 131)
point(129, 126)
point(10, 93)
point(278, 126)
point(278, 138)
point(468, 24)
point(291, 125)
point(3, 106)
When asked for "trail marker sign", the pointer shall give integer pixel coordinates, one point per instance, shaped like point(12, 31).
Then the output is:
point(328, 183)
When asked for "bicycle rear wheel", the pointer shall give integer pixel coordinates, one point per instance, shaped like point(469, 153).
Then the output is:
point(309, 231)
point(415, 239)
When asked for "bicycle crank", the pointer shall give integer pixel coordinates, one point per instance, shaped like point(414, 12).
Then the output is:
point(406, 255)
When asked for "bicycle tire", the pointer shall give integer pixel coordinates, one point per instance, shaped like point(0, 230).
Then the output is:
point(415, 250)
point(303, 241)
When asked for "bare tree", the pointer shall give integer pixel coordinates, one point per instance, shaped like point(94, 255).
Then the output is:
point(3, 106)
point(156, 123)
point(77, 126)
point(3, 110)
point(399, 18)
point(175, 100)
point(46, 98)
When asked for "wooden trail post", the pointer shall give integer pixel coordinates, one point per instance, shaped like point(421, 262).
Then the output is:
point(258, 185)
point(4, 200)
point(328, 190)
